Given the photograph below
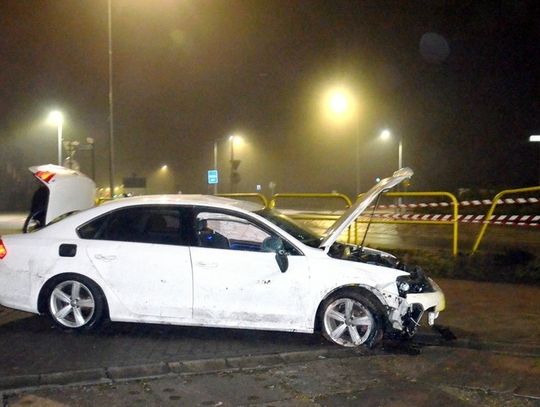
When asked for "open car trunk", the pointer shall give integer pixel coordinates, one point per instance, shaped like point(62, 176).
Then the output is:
point(61, 191)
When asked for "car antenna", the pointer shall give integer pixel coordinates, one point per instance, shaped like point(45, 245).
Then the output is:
point(370, 218)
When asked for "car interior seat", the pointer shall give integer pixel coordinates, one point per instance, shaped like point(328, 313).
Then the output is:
point(207, 237)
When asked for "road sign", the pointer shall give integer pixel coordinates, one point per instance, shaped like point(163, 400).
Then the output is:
point(213, 177)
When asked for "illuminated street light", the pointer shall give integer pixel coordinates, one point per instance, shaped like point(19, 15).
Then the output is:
point(164, 167)
point(57, 118)
point(387, 135)
point(536, 139)
point(341, 107)
point(338, 103)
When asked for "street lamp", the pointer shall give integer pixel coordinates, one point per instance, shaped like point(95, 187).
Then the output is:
point(57, 118)
point(233, 139)
point(111, 104)
point(536, 139)
point(341, 106)
point(386, 135)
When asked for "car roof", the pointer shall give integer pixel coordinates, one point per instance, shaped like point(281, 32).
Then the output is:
point(184, 199)
point(180, 199)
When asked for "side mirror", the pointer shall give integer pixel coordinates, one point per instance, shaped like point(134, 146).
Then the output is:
point(275, 244)
point(282, 260)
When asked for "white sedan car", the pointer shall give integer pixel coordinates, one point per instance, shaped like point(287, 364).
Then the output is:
point(205, 261)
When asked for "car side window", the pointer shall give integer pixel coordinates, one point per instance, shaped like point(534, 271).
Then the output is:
point(224, 231)
point(155, 224)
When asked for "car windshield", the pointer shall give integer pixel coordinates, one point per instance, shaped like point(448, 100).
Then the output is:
point(301, 233)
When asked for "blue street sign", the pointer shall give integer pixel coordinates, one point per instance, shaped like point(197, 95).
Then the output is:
point(213, 177)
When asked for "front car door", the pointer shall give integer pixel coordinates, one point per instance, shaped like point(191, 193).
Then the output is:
point(142, 254)
point(236, 279)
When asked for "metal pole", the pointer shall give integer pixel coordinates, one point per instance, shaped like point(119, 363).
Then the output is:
point(357, 154)
point(400, 154)
point(59, 142)
point(215, 165)
point(93, 163)
point(111, 110)
point(400, 165)
point(232, 162)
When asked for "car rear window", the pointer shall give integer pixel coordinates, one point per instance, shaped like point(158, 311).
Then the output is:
point(161, 225)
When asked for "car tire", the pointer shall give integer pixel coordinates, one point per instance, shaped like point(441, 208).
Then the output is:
point(348, 318)
point(75, 303)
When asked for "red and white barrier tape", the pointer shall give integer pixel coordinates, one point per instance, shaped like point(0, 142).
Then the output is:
point(519, 220)
point(508, 201)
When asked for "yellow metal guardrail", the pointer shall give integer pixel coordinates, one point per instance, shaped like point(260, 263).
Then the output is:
point(492, 209)
point(333, 195)
point(339, 196)
point(261, 197)
point(454, 221)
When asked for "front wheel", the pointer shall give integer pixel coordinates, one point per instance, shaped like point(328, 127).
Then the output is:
point(350, 320)
point(75, 303)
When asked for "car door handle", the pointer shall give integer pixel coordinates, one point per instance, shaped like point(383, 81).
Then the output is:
point(104, 257)
point(207, 265)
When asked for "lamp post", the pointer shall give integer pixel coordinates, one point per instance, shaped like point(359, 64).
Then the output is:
point(111, 111)
point(341, 106)
point(231, 142)
point(215, 165)
point(57, 118)
point(233, 163)
point(386, 135)
point(536, 139)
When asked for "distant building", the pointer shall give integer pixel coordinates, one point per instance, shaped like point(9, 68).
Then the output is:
point(134, 186)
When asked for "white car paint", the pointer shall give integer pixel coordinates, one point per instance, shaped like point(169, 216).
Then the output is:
point(69, 190)
point(192, 285)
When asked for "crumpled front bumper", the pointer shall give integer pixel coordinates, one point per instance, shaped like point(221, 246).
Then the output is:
point(406, 318)
point(430, 300)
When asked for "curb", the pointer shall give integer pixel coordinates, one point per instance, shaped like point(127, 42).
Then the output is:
point(153, 370)
point(201, 366)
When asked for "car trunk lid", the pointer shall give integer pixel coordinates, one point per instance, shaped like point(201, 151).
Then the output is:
point(62, 190)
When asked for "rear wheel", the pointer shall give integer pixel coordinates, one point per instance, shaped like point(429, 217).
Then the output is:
point(349, 319)
point(75, 303)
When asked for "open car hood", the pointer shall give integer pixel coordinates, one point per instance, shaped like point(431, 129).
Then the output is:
point(356, 209)
point(67, 191)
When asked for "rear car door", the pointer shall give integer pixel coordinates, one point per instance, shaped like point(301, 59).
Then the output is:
point(140, 252)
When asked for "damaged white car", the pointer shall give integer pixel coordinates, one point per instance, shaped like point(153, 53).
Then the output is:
point(205, 261)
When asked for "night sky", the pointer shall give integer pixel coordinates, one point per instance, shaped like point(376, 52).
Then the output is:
point(457, 81)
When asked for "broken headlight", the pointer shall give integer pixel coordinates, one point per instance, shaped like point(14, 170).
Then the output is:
point(414, 283)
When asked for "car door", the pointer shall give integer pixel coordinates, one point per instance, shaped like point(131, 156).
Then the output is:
point(140, 254)
point(237, 280)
